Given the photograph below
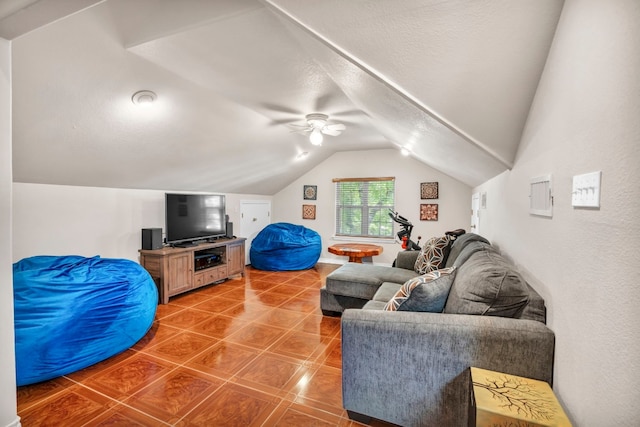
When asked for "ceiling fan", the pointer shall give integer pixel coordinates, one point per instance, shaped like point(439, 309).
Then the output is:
point(317, 125)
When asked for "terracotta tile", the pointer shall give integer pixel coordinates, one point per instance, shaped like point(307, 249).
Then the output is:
point(302, 305)
point(281, 318)
point(295, 415)
point(309, 284)
point(190, 299)
point(247, 310)
point(261, 285)
point(299, 344)
point(100, 367)
point(277, 277)
point(320, 325)
point(217, 304)
point(312, 274)
point(181, 347)
point(29, 395)
point(310, 294)
point(216, 289)
point(219, 326)
point(159, 332)
point(287, 289)
point(322, 390)
point(242, 294)
point(271, 299)
point(164, 310)
point(73, 407)
point(253, 350)
point(223, 359)
point(257, 335)
point(331, 355)
point(124, 416)
point(174, 395)
point(277, 373)
point(186, 318)
point(129, 376)
point(232, 405)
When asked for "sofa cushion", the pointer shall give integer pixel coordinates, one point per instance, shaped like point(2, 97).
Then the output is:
point(469, 249)
point(374, 305)
point(433, 255)
point(363, 280)
point(486, 284)
point(460, 243)
point(423, 293)
point(386, 291)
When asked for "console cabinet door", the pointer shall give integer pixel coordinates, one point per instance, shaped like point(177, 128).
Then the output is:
point(179, 274)
point(235, 258)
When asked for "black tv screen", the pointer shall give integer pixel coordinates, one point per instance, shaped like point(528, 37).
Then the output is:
point(191, 217)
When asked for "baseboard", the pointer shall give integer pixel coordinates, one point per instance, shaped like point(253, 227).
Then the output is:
point(331, 261)
point(339, 261)
point(15, 423)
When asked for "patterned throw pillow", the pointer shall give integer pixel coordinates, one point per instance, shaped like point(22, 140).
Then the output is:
point(433, 254)
point(428, 292)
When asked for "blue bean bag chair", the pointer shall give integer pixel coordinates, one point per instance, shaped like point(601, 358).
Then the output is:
point(285, 247)
point(71, 312)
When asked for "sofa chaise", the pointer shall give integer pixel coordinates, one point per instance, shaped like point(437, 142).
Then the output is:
point(411, 367)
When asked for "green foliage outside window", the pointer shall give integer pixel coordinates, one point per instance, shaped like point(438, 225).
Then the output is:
point(362, 208)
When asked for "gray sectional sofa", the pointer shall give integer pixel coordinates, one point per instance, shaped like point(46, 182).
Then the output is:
point(411, 368)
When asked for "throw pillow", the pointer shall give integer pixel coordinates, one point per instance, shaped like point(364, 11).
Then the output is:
point(489, 285)
point(433, 254)
point(423, 293)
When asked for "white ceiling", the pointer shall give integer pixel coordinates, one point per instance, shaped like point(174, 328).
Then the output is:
point(450, 80)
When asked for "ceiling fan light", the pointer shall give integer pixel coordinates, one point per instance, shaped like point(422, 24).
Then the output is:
point(316, 137)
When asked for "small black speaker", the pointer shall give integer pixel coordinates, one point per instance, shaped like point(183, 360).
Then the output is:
point(229, 230)
point(151, 238)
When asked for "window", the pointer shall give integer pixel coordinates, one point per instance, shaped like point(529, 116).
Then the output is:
point(362, 207)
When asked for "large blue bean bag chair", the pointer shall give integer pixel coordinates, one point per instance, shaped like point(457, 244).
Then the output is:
point(72, 312)
point(285, 247)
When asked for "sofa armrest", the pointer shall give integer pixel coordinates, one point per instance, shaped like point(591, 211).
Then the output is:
point(407, 259)
point(412, 368)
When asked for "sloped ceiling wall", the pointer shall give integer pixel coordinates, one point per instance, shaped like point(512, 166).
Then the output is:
point(450, 81)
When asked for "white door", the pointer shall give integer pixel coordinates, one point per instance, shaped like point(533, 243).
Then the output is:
point(254, 216)
point(475, 213)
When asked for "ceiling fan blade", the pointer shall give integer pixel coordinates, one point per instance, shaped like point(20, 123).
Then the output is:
point(336, 126)
point(299, 128)
point(331, 131)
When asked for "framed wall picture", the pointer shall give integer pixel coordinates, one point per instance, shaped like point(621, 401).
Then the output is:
point(429, 212)
point(429, 190)
point(308, 211)
point(310, 192)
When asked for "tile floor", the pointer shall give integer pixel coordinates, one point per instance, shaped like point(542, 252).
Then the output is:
point(251, 351)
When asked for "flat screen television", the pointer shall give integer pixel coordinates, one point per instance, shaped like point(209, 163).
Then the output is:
point(192, 217)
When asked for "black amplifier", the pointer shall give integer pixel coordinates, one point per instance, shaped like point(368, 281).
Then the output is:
point(207, 261)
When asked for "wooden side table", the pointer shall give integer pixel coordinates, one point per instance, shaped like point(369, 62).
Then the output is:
point(499, 399)
point(357, 252)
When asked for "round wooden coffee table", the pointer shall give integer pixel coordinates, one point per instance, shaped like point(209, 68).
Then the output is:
point(357, 252)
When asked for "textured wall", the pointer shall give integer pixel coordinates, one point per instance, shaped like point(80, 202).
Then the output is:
point(584, 261)
point(454, 197)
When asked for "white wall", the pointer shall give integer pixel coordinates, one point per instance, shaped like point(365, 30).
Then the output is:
point(8, 407)
point(586, 117)
point(88, 221)
point(454, 197)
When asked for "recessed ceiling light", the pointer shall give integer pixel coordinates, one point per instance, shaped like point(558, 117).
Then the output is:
point(144, 97)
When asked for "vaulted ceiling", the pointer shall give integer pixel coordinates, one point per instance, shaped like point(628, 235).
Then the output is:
point(451, 81)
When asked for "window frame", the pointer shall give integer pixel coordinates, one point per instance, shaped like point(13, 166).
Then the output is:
point(364, 211)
